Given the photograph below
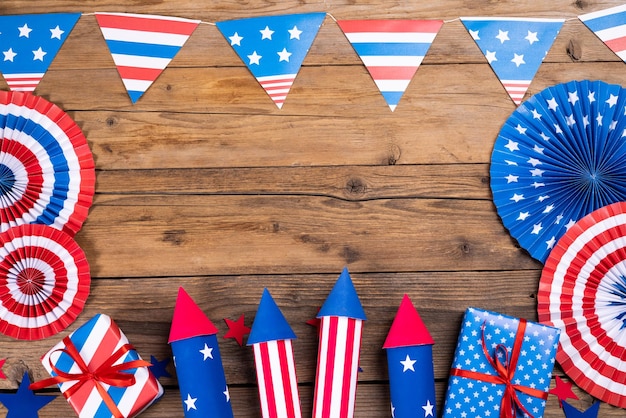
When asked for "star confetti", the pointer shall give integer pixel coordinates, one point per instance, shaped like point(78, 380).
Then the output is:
point(591, 412)
point(158, 367)
point(563, 391)
point(237, 329)
point(315, 321)
point(2, 376)
point(24, 403)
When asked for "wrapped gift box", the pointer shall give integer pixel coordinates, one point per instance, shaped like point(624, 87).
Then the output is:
point(502, 367)
point(100, 346)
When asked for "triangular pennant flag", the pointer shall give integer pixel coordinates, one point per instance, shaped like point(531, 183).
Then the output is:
point(391, 50)
point(29, 44)
point(514, 47)
point(610, 26)
point(142, 46)
point(273, 47)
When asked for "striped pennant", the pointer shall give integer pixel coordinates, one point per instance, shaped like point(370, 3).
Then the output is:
point(391, 50)
point(610, 26)
point(276, 375)
point(337, 367)
point(142, 46)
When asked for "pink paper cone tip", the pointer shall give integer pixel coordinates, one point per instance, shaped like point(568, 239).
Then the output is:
point(407, 328)
point(189, 321)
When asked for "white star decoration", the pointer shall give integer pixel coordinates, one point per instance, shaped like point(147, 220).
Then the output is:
point(9, 55)
point(503, 36)
point(190, 402)
point(532, 37)
point(428, 409)
point(294, 33)
point(474, 35)
point(227, 394)
point(491, 56)
point(552, 104)
point(39, 54)
point(408, 364)
point(284, 55)
point(518, 59)
point(612, 100)
point(254, 58)
point(266, 33)
point(25, 31)
point(235, 39)
point(56, 33)
point(207, 352)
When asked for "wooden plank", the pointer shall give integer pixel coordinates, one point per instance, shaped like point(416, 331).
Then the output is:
point(195, 235)
point(454, 181)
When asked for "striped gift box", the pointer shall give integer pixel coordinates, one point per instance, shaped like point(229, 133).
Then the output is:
point(97, 342)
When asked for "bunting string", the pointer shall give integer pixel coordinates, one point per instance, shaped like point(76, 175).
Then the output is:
point(274, 47)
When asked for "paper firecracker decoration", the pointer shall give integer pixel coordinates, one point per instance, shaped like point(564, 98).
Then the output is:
point(410, 365)
point(514, 47)
point(391, 50)
point(198, 362)
point(496, 358)
point(339, 348)
point(273, 47)
point(24, 403)
point(100, 373)
point(610, 26)
point(29, 44)
point(142, 46)
point(271, 338)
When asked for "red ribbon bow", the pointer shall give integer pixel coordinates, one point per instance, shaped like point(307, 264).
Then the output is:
point(506, 369)
point(106, 373)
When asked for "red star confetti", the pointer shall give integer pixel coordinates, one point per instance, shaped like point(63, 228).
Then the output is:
point(2, 376)
point(563, 391)
point(315, 321)
point(237, 329)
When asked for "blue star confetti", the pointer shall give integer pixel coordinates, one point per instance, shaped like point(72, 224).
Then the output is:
point(24, 403)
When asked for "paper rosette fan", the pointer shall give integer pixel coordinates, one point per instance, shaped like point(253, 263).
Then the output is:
point(559, 156)
point(47, 172)
point(582, 291)
point(44, 281)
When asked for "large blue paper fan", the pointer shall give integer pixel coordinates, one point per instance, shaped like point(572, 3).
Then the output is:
point(559, 156)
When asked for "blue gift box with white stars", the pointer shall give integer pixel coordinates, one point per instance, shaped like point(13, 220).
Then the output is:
point(501, 362)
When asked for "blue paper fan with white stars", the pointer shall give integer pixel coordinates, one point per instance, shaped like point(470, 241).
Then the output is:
point(559, 156)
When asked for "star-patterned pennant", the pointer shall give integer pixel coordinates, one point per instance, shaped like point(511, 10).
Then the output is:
point(29, 43)
point(142, 46)
point(514, 47)
point(610, 26)
point(391, 50)
point(273, 47)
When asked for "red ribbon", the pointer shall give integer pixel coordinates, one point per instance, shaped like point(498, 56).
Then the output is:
point(506, 369)
point(106, 373)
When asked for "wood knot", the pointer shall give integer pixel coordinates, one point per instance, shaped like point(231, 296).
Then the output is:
point(574, 50)
point(356, 186)
point(111, 121)
point(174, 236)
point(465, 247)
point(581, 4)
point(350, 254)
point(484, 179)
point(394, 154)
point(168, 87)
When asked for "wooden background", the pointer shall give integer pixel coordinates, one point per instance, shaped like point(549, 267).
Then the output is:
point(205, 184)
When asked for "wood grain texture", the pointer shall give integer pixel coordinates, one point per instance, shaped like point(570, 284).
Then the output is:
point(205, 184)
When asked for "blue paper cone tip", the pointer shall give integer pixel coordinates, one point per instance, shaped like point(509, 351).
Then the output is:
point(343, 300)
point(269, 323)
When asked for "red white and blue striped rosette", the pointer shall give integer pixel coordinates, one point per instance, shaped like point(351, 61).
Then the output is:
point(142, 46)
point(44, 281)
point(582, 291)
point(47, 172)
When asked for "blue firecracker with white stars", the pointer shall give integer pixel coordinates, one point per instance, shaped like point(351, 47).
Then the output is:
point(411, 377)
point(473, 398)
point(201, 378)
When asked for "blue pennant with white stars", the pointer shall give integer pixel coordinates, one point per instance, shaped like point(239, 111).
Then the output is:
point(558, 157)
point(514, 47)
point(29, 43)
point(273, 47)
